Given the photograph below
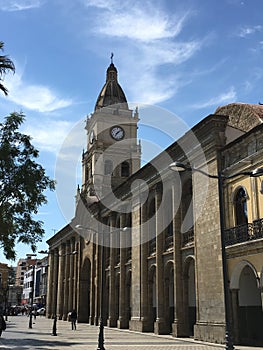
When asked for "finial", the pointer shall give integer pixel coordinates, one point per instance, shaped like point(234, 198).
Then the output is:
point(111, 57)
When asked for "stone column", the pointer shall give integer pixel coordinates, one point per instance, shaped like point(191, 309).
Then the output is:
point(61, 270)
point(66, 282)
point(123, 317)
point(112, 320)
point(50, 296)
point(82, 317)
point(71, 274)
point(140, 298)
point(144, 271)
point(159, 325)
point(92, 285)
point(179, 325)
point(55, 283)
point(75, 276)
point(97, 282)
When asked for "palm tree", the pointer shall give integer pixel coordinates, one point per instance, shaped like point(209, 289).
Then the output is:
point(5, 65)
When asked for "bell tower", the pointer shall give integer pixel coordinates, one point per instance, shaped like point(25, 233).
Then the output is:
point(113, 152)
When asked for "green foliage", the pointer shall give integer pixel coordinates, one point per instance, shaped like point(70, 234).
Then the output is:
point(22, 183)
point(6, 65)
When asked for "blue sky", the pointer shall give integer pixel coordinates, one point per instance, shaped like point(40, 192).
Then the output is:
point(185, 57)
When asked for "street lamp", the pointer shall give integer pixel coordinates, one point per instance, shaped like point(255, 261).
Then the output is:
point(176, 166)
point(101, 326)
point(54, 328)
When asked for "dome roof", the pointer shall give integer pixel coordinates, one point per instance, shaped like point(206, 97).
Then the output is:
point(242, 116)
point(111, 93)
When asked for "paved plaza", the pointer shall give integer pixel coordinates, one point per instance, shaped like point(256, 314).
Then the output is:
point(19, 337)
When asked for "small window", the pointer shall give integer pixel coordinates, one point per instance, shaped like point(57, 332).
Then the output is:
point(108, 167)
point(125, 169)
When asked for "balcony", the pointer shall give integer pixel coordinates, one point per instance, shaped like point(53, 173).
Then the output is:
point(244, 233)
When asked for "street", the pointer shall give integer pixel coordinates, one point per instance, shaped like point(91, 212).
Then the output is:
point(19, 337)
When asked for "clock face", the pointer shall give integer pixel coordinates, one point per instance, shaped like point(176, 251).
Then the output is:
point(91, 136)
point(117, 133)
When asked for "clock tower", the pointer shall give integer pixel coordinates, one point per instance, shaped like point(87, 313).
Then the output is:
point(113, 152)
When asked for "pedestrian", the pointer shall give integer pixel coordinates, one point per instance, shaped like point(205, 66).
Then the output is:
point(73, 317)
point(2, 324)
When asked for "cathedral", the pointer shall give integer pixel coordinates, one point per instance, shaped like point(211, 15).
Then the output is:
point(171, 247)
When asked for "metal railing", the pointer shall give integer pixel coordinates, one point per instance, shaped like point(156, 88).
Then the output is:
point(244, 233)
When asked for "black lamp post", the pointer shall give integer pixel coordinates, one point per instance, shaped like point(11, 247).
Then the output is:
point(176, 166)
point(102, 291)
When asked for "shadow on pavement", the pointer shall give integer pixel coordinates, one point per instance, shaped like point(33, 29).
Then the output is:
point(25, 343)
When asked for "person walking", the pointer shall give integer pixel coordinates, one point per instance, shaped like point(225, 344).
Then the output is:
point(2, 324)
point(73, 317)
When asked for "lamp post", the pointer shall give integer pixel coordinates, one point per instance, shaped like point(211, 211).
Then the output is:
point(102, 291)
point(176, 166)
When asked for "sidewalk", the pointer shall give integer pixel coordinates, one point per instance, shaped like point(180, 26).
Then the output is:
point(19, 337)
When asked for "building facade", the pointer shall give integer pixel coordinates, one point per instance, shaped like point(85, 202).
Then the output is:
point(34, 273)
point(153, 236)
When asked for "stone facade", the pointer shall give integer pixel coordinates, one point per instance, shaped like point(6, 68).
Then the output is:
point(155, 247)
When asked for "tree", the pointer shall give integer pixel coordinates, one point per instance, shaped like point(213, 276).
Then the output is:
point(22, 184)
point(6, 65)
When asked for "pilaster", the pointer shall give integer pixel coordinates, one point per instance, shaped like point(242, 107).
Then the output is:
point(71, 269)
point(50, 295)
point(66, 282)
point(60, 298)
point(179, 328)
point(112, 320)
point(123, 317)
point(160, 326)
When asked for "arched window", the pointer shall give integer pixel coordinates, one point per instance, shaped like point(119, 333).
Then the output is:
point(125, 169)
point(108, 167)
point(241, 207)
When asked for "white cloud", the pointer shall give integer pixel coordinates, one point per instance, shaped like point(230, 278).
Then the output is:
point(164, 52)
point(155, 84)
point(151, 90)
point(223, 98)
point(35, 97)
point(246, 31)
point(20, 5)
point(151, 41)
point(137, 24)
point(49, 134)
point(104, 4)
